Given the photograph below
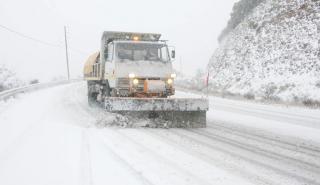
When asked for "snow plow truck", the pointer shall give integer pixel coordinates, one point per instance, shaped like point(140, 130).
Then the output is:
point(133, 73)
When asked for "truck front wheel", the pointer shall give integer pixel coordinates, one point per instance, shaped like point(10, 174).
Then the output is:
point(92, 99)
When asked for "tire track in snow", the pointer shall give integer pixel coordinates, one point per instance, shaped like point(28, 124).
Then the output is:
point(298, 152)
point(155, 156)
point(227, 159)
point(123, 162)
point(309, 170)
point(289, 143)
point(292, 172)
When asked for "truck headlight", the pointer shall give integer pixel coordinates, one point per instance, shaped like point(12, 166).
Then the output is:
point(173, 75)
point(170, 81)
point(135, 82)
point(132, 75)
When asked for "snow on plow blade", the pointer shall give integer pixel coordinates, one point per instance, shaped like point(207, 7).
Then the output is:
point(179, 112)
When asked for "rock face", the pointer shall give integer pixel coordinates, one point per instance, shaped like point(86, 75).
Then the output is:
point(273, 53)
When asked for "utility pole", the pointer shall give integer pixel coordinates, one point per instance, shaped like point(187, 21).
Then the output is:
point(180, 65)
point(67, 55)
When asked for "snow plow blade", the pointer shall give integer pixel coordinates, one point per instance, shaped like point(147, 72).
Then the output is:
point(178, 112)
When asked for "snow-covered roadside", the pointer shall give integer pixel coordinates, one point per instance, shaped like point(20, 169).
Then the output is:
point(295, 124)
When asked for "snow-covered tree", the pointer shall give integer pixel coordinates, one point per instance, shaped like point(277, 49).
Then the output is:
point(240, 11)
point(8, 79)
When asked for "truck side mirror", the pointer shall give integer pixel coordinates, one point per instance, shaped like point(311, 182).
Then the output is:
point(173, 54)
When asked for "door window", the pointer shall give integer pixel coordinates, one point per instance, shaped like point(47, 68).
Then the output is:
point(110, 52)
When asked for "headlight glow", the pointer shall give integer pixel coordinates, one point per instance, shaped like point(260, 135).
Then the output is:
point(170, 81)
point(135, 38)
point(135, 82)
point(132, 75)
point(173, 75)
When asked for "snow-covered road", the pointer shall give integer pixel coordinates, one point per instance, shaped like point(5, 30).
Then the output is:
point(49, 137)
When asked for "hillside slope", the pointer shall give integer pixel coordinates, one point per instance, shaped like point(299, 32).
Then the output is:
point(272, 54)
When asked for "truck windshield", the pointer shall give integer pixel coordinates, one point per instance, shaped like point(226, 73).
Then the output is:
point(142, 51)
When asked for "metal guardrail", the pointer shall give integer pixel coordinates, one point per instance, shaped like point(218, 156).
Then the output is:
point(12, 92)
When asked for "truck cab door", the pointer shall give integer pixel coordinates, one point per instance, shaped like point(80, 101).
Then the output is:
point(110, 65)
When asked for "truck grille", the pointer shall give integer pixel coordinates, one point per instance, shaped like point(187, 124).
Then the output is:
point(123, 82)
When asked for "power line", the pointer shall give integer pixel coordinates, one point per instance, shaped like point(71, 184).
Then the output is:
point(40, 41)
point(78, 51)
point(67, 55)
point(30, 38)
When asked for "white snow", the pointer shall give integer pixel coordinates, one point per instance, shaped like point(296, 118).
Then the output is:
point(50, 137)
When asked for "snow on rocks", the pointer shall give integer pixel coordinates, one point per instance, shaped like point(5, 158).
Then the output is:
point(272, 55)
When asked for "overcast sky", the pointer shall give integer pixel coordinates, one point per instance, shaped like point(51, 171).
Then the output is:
point(192, 26)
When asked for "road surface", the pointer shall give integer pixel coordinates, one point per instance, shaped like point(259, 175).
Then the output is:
point(51, 137)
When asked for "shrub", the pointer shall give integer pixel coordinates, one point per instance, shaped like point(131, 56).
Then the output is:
point(318, 84)
point(311, 103)
point(34, 81)
point(249, 96)
point(8, 79)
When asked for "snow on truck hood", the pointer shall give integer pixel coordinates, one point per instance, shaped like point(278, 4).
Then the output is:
point(144, 68)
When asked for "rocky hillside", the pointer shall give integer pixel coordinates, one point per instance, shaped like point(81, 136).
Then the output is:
point(272, 53)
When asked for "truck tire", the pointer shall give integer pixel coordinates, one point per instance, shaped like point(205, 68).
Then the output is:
point(92, 99)
point(108, 90)
point(92, 94)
